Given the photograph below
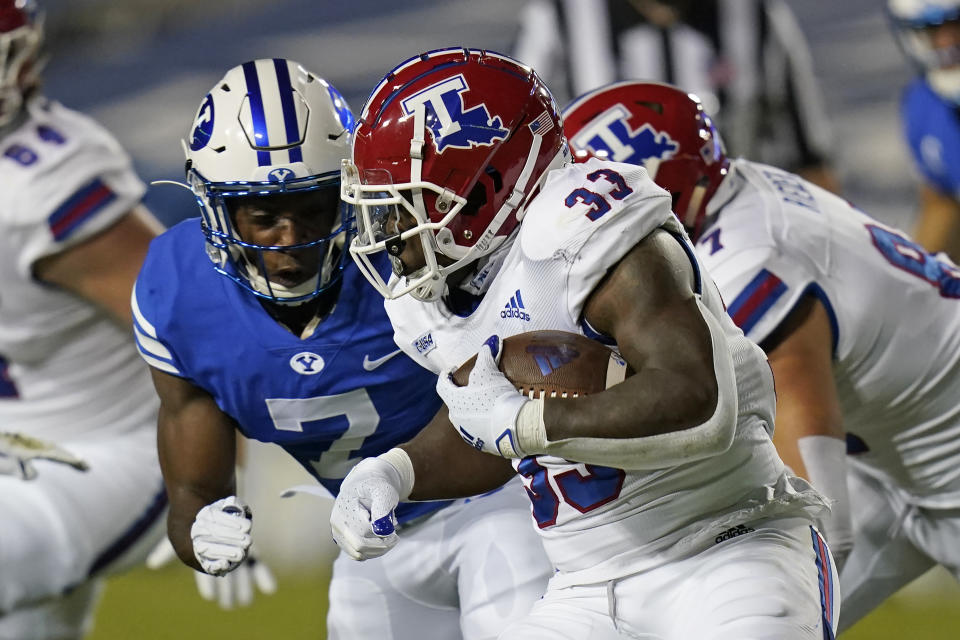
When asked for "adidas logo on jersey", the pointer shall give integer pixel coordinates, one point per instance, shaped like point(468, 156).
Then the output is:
point(515, 308)
point(733, 532)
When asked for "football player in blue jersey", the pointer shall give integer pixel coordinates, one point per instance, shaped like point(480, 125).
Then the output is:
point(929, 33)
point(254, 319)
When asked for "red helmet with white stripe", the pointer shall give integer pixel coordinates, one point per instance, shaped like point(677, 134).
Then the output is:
point(659, 127)
point(459, 140)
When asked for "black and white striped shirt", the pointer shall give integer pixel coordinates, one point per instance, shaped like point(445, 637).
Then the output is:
point(747, 60)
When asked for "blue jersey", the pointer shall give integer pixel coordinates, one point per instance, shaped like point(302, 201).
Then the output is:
point(342, 394)
point(932, 128)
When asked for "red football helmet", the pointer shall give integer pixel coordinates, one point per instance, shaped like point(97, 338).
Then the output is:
point(21, 33)
point(459, 139)
point(656, 126)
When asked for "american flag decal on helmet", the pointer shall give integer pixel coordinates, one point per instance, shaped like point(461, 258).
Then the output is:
point(542, 124)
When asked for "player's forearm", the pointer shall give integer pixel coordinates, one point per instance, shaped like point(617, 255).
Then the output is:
point(646, 404)
point(183, 510)
point(653, 419)
point(445, 467)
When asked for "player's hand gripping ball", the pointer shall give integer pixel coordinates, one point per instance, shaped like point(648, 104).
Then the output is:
point(487, 393)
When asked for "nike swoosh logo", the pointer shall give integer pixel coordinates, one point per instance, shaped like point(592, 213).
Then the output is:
point(370, 365)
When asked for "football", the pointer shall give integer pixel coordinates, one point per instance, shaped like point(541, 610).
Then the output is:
point(555, 364)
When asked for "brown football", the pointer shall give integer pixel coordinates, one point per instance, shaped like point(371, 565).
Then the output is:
point(555, 364)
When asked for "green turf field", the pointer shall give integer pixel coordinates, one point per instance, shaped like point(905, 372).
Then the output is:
point(163, 605)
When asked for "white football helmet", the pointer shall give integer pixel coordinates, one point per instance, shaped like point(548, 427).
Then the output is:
point(929, 33)
point(21, 34)
point(268, 127)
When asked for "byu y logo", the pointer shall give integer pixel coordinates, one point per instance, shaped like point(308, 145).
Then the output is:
point(280, 175)
point(610, 133)
point(306, 363)
point(203, 125)
point(450, 124)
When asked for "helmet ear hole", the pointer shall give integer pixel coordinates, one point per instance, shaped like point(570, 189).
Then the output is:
point(476, 199)
point(496, 177)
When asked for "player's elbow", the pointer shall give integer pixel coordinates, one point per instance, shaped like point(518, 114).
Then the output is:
point(699, 403)
point(716, 429)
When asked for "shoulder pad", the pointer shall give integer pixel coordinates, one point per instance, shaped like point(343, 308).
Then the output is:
point(580, 199)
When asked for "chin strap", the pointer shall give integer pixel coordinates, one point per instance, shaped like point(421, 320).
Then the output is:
point(477, 283)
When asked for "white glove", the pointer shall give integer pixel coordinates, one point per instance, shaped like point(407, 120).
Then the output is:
point(235, 588)
point(221, 535)
point(17, 451)
point(485, 410)
point(363, 520)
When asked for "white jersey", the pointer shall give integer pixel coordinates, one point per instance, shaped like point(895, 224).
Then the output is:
point(599, 523)
point(65, 368)
point(894, 309)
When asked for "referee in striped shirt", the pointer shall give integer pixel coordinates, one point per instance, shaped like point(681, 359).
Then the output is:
point(747, 60)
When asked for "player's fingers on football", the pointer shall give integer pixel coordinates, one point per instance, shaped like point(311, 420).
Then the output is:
point(446, 387)
point(484, 367)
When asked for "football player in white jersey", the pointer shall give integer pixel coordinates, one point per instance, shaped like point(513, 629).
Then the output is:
point(861, 326)
point(663, 494)
point(80, 489)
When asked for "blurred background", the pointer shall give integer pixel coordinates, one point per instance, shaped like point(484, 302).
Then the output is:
point(141, 67)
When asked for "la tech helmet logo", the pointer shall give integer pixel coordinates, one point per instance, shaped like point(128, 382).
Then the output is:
point(449, 124)
point(609, 133)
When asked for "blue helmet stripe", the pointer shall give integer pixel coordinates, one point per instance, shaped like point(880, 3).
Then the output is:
point(262, 139)
point(289, 109)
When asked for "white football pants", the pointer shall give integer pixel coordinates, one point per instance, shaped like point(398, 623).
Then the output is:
point(465, 571)
point(777, 582)
point(894, 543)
point(64, 529)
